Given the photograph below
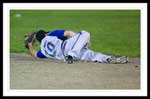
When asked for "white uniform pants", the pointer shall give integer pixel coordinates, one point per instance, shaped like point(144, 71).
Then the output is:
point(77, 46)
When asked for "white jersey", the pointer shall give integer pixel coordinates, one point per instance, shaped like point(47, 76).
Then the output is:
point(76, 46)
point(51, 47)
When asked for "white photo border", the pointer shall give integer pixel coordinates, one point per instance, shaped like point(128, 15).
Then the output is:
point(74, 6)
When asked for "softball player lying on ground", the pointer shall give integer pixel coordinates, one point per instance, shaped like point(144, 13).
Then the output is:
point(67, 45)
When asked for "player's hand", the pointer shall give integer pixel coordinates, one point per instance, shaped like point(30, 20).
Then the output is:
point(30, 45)
point(29, 39)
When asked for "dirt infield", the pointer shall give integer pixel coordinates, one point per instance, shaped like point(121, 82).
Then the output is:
point(30, 73)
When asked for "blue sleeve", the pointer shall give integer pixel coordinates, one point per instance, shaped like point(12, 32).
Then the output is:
point(40, 55)
point(58, 33)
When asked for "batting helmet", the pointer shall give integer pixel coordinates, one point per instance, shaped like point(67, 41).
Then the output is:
point(40, 34)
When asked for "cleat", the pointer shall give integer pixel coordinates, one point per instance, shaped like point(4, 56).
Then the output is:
point(69, 59)
point(118, 60)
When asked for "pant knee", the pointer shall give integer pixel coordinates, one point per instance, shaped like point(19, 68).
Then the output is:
point(85, 33)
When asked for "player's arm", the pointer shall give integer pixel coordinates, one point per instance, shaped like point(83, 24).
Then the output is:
point(62, 34)
point(35, 53)
point(69, 34)
point(32, 51)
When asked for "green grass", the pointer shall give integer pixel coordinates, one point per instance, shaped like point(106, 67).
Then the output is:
point(113, 32)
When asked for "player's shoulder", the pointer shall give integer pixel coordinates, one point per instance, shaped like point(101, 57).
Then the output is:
point(50, 37)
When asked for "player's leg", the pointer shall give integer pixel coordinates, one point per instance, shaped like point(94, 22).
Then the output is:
point(89, 55)
point(76, 43)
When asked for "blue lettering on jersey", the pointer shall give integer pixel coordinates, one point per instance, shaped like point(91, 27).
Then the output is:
point(51, 48)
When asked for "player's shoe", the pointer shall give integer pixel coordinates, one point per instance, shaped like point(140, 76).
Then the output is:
point(118, 60)
point(69, 59)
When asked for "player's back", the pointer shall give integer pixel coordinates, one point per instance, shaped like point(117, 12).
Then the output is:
point(51, 47)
